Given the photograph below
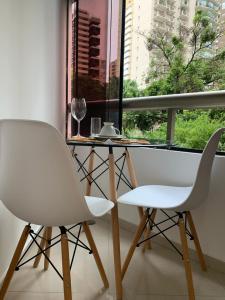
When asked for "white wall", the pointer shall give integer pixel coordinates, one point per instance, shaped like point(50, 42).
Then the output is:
point(32, 78)
point(32, 60)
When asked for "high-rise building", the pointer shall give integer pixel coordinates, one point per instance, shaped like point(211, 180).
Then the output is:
point(88, 45)
point(114, 70)
point(146, 16)
point(136, 56)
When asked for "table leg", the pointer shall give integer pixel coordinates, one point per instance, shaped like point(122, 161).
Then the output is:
point(134, 184)
point(89, 178)
point(115, 227)
point(90, 169)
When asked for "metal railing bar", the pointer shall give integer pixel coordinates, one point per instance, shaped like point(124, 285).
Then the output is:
point(176, 101)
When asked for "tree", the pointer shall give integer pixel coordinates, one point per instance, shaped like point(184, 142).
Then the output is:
point(143, 120)
point(188, 61)
point(130, 89)
point(185, 62)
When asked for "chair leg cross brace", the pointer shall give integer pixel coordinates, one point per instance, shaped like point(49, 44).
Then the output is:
point(45, 250)
point(151, 223)
point(38, 234)
point(184, 220)
point(17, 258)
point(89, 175)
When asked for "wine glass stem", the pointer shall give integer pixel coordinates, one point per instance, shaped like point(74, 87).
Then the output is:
point(78, 128)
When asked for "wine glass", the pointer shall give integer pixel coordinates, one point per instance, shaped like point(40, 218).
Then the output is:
point(78, 111)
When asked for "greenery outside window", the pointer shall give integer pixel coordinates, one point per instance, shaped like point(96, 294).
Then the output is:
point(188, 59)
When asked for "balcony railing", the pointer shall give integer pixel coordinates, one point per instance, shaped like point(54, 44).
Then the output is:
point(172, 103)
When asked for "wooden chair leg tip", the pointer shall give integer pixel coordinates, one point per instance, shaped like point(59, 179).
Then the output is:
point(106, 286)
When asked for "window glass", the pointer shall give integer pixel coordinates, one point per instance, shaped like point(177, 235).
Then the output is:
point(96, 58)
point(181, 50)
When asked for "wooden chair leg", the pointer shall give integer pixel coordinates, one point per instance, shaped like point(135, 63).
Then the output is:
point(186, 259)
point(66, 266)
point(42, 245)
point(134, 183)
point(196, 241)
point(134, 243)
point(14, 261)
point(147, 244)
point(147, 232)
point(96, 254)
point(47, 244)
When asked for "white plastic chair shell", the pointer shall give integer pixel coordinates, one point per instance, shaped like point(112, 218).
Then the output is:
point(38, 181)
point(178, 198)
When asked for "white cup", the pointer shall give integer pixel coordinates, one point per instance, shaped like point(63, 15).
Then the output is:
point(109, 130)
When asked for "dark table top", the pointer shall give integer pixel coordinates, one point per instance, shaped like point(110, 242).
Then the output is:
point(156, 145)
point(115, 145)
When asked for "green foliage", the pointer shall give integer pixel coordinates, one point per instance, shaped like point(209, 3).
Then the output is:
point(143, 120)
point(217, 114)
point(159, 87)
point(186, 62)
point(194, 132)
point(193, 129)
point(158, 135)
point(130, 89)
point(182, 63)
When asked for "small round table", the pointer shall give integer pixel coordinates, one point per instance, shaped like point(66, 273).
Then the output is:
point(111, 165)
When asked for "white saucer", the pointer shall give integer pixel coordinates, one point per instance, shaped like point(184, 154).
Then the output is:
point(104, 137)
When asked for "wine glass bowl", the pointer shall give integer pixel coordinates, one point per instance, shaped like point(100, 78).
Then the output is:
point(78, 111)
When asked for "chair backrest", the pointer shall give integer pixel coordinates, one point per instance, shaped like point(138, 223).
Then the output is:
point(202, 181)
point(38, 180)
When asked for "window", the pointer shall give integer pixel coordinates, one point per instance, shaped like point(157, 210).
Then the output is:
point(96, 75)
point(172, 64)
point(163, 61)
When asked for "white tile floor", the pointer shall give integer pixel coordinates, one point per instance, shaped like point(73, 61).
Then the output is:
point(156, 275)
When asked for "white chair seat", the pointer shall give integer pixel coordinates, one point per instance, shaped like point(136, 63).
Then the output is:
point(98, 206)
point(156, 196)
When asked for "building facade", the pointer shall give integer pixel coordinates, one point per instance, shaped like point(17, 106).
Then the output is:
point(146, 16)
point(88, 45)
point(139, 15)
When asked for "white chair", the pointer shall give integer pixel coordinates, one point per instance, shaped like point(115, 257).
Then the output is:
point(39, 184)
point(180, 200)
